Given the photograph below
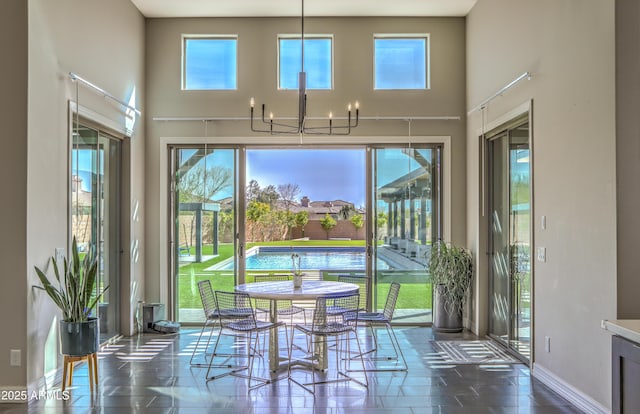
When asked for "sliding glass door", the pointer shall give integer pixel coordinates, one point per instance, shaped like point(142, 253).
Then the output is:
point(363, 212)
point(406, 184)
point(203, 233)
point(95, 212)
point(508, 160)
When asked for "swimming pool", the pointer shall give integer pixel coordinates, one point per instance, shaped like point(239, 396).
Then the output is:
point(317, 258)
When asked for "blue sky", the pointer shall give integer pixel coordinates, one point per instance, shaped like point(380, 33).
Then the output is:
point(320, 174)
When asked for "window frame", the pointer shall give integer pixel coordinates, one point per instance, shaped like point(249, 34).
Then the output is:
point(330, 37)
point(405, 36)
point(183, 60)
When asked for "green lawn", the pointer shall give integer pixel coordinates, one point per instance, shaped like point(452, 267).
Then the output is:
point(415, 293)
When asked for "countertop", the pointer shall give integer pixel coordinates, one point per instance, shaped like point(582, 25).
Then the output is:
point(626, 328)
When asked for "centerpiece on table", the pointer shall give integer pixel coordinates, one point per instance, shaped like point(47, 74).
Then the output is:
point(297, 271)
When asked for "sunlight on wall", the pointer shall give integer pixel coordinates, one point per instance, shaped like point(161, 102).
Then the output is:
point(130, 119)
point(51, 352)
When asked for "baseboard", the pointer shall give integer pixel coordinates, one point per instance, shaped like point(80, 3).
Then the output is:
point(569, 392)
point(13, 394)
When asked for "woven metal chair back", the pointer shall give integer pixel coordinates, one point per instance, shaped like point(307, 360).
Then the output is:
point(272, 278)
point(234, 307)
point(363, 285)
point(207, 297)
point(347, 303)
point(392, 298)
point(266, 303)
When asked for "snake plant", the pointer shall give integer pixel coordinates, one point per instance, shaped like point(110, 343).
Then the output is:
point(75, 280)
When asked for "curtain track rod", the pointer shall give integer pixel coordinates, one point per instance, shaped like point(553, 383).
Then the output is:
point(102, 92)
point(246, 118)
point(481, 105)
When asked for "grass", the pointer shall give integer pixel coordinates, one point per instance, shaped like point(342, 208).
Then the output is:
point(415, 292)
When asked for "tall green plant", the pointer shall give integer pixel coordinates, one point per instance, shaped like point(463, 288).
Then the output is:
point(451, 268)
point(76, 280)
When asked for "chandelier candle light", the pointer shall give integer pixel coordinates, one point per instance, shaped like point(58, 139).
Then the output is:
point(278, 128)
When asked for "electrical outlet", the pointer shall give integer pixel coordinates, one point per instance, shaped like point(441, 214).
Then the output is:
point(15, 358)
point(542, 254)
point(547, 343)
point(59, 254)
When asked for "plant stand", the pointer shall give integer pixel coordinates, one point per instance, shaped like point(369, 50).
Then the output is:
point(92, 366)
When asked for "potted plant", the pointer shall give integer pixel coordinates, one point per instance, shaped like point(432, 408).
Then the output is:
point(451, 269)
point(74, 293)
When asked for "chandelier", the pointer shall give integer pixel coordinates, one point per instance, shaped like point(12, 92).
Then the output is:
point(300, 127)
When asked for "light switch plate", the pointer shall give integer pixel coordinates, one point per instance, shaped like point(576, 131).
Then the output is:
point(59, 254)
point(15, 358)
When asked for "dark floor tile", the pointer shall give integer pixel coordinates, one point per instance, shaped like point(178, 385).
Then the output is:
point(152, 374)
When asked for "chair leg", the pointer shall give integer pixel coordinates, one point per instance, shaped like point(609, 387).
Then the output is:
point(252, 381)
point(396, 345)
point(398, 355)
point(195, 349)
point(212, 365)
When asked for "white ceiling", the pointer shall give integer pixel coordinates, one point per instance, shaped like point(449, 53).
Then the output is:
point(256, 8)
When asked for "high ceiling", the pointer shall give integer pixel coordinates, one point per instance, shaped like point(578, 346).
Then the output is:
point(256, 8)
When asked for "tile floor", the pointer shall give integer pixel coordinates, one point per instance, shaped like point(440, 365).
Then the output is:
point(151, 374)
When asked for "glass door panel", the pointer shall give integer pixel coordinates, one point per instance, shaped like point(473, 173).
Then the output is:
point(95, 187)
point(406, 202)
point(204, 211)
point(500, 302)
point(510, 238)
point(309, 202)
point(520, 237)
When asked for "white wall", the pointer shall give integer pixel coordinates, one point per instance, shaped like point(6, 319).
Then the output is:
point(353, 79)
point(104, 43)
point(13, 167)
point(568, 45)
point(628, 155)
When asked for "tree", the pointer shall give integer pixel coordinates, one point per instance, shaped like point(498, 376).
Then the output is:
point(381, 221)
point(225, 226)
point(358, 221)
point(347, 211)
point(301, 219)
point(288, 193)
point(253, 191)
point(257, 212)
point(201, 184)
point(268, 195)
point(328, 223)
point(289, 220)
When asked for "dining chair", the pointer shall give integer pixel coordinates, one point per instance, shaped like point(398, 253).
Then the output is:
point(284, 307)
point(212, 318)
point(373, 319)
point(362, 282)
point(323, 329)
point(237, 315)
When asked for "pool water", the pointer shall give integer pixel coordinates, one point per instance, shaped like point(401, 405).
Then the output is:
point(323, 258)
